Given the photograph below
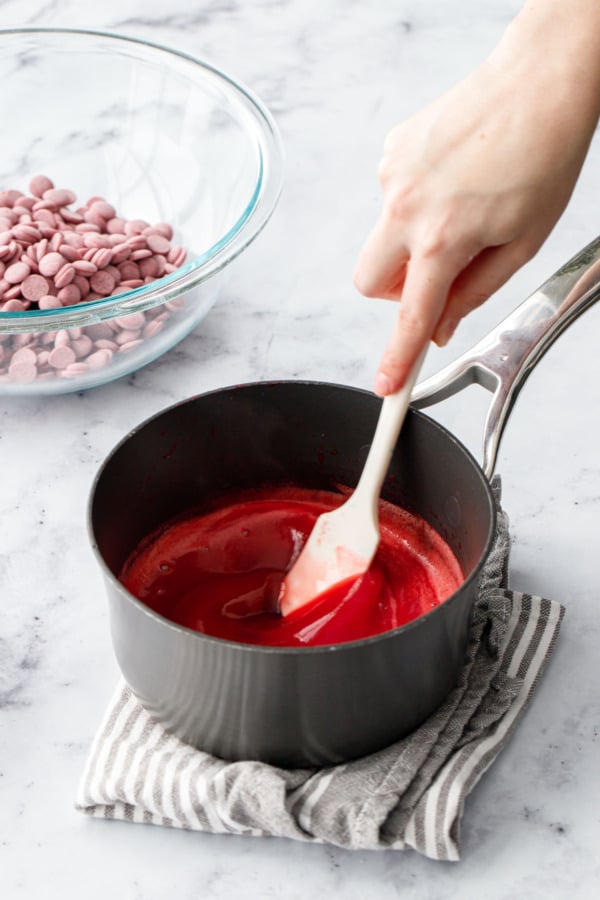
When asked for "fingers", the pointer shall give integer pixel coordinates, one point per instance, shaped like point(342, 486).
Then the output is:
point(481, 278)
point(381, 266)
point(423, 300)
point(421, 279)
point(435, 296)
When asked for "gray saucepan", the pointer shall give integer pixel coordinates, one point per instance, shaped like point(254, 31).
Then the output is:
point(320, 705)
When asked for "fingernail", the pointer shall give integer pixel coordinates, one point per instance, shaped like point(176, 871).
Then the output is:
point(445, 332)
point(383, 385)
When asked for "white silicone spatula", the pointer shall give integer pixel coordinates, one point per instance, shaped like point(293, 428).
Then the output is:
point(343, 542)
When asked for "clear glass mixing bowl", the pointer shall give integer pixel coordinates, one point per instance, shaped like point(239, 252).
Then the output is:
point(163, 137)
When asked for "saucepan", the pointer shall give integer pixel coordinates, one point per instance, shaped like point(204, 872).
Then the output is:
point(321, 705)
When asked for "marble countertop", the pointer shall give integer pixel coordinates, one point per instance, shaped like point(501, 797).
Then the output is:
point(337, 75)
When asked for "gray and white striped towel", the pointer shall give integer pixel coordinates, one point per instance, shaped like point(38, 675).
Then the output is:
point(410, 794)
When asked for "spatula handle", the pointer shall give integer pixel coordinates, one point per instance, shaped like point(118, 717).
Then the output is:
point(391, 418)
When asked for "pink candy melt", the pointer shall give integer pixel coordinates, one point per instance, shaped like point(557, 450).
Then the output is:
point(34, 287)
point(54, 256)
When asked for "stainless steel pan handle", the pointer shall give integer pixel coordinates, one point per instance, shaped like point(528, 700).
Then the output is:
point(503, 359)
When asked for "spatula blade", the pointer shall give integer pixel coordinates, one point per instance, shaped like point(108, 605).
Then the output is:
point(343, 542)
point(339, 549)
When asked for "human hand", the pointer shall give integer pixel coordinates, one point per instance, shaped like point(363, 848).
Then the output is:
point(472, 186)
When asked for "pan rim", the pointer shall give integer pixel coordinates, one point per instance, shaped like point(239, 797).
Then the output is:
point(232, 646)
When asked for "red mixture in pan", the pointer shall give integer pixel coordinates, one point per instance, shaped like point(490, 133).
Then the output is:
point(219, 572)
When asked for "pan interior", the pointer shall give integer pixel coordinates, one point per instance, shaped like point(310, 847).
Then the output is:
point(305, 433)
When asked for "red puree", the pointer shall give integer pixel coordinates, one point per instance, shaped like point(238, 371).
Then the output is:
point(220, 572)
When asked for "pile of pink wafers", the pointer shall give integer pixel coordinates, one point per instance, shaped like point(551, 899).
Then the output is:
point(54, 254)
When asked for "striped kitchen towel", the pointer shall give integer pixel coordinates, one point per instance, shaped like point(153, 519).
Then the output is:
point(409, 795)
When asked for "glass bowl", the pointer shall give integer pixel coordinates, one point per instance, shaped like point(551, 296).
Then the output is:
point(162, 138)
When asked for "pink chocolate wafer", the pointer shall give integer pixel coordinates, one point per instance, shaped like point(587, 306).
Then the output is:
point(69, 295)
point(34, 287)
point(54, 255)
point(102, 282)
point(64, 276)
point(23, 373)
point(24, 355)
point(61, 357)
point(99, 359)
point(39, 184)
point(17, 272)
point(59, 196)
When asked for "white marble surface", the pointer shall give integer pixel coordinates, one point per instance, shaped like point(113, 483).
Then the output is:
point(336, 75)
